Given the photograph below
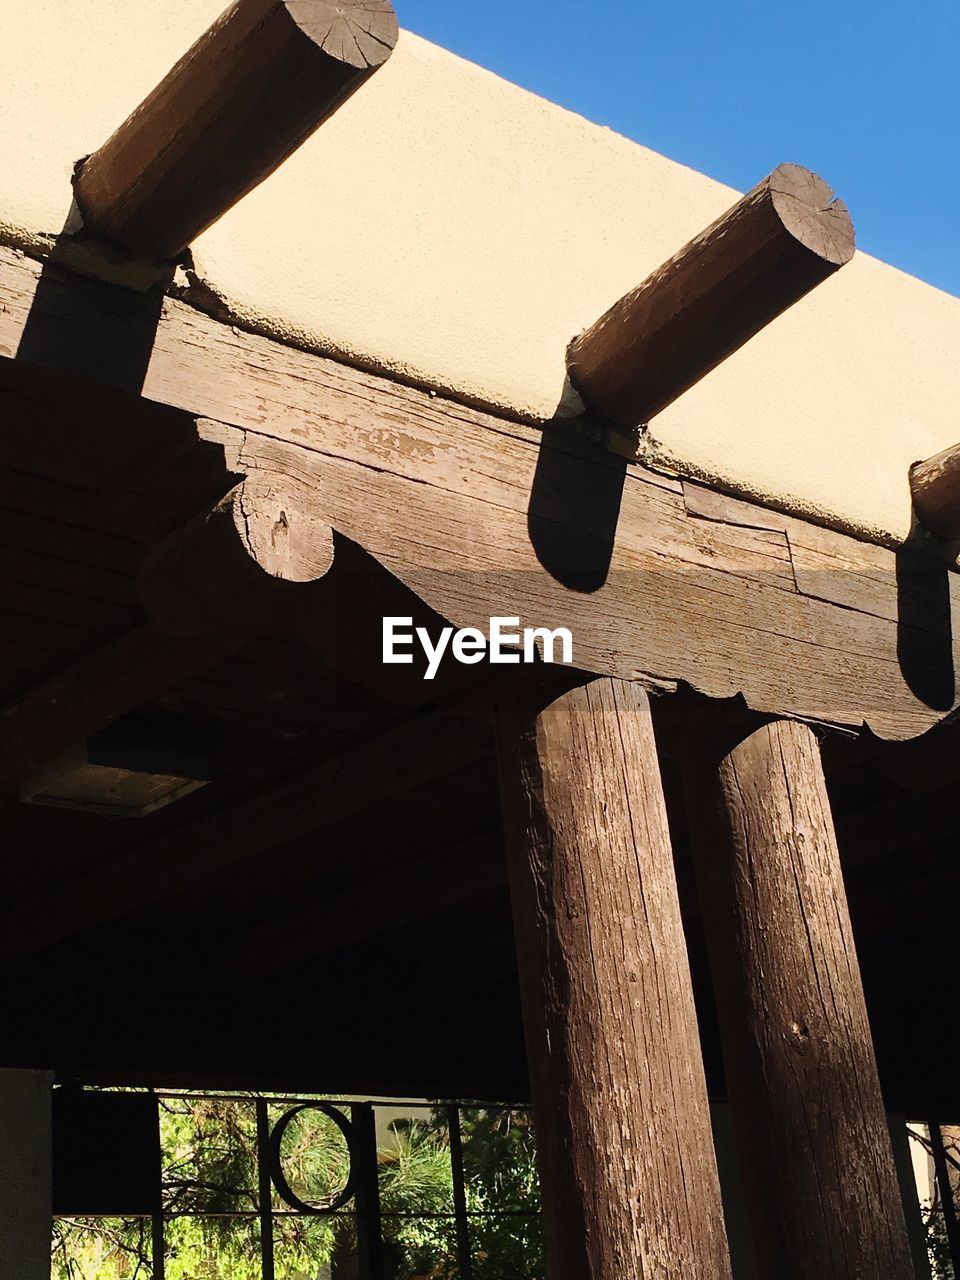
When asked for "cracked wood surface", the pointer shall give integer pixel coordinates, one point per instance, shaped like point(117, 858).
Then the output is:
point(626, 1157)
point(815, 1157)
point(777, 243)
point(483, 516)
point(251, 89)
point(236, 560)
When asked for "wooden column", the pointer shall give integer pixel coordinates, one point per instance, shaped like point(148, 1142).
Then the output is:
point(627, 1162)
point(817, 1165)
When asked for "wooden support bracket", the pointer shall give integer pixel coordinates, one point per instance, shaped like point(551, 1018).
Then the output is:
point(249, 92)
point(252, 563)
point(779, 241)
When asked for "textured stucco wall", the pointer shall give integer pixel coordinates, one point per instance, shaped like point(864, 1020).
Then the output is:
point(456, 230)
point(25, 1218)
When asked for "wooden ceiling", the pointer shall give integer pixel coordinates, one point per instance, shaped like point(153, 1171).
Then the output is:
point(331, 909)
point(374, 950)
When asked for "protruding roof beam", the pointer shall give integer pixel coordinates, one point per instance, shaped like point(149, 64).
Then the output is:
point(250, 555)
point(935, 484)
point(237, 104)
point(780, 240)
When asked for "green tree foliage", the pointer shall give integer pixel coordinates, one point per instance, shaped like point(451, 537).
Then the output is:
point(938, 1247)
point(210, 1200)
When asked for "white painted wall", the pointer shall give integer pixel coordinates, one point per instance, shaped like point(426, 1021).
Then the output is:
point(25, 1217)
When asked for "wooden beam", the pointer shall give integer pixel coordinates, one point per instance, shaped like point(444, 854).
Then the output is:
point(457, 503)
point(244, 559)
point(117, 677)
point(409, 891)
point(776, 244)
point(816, 1161)
point(252, 88)
point(935, 485)
point(414, 753)
point(264, 556)
point(627, 1164)
point(212, 586)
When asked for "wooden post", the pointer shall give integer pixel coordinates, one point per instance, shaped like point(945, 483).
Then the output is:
point(817, 1165)
point(935, 485)
point(780, 240)
point(247, 94)
point(627, 1161)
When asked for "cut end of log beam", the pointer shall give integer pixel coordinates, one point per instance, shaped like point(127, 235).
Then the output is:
point(360, 33)
point(254, 86)
point(776, 244)
point(281, 529)
point(812, 213)
point(235, 564)
point(935, 485)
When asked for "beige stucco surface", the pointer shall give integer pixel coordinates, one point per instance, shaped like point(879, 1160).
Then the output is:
point(453, 229)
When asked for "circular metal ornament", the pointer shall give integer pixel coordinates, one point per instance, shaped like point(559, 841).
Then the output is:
point(333, 1202)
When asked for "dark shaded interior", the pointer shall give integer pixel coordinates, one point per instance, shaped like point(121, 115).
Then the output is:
point(425, 1002)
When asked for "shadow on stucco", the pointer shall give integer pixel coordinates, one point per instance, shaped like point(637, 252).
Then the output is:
point(575, 502)
point(924, 630)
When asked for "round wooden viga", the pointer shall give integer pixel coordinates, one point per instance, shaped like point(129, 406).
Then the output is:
point(935, 486)
point(251, 556)
point(253, 87)
point(776, 244)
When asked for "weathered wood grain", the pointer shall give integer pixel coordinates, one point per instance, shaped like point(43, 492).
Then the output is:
point(209, 587)
point(241, 559)
point(623, 1129)
point(825, 565)
point(252, 88)
point(777, 243)
point(812, 1137)
point(460, 506)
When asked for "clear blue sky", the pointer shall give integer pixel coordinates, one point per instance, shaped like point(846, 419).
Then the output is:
point(867, 94)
